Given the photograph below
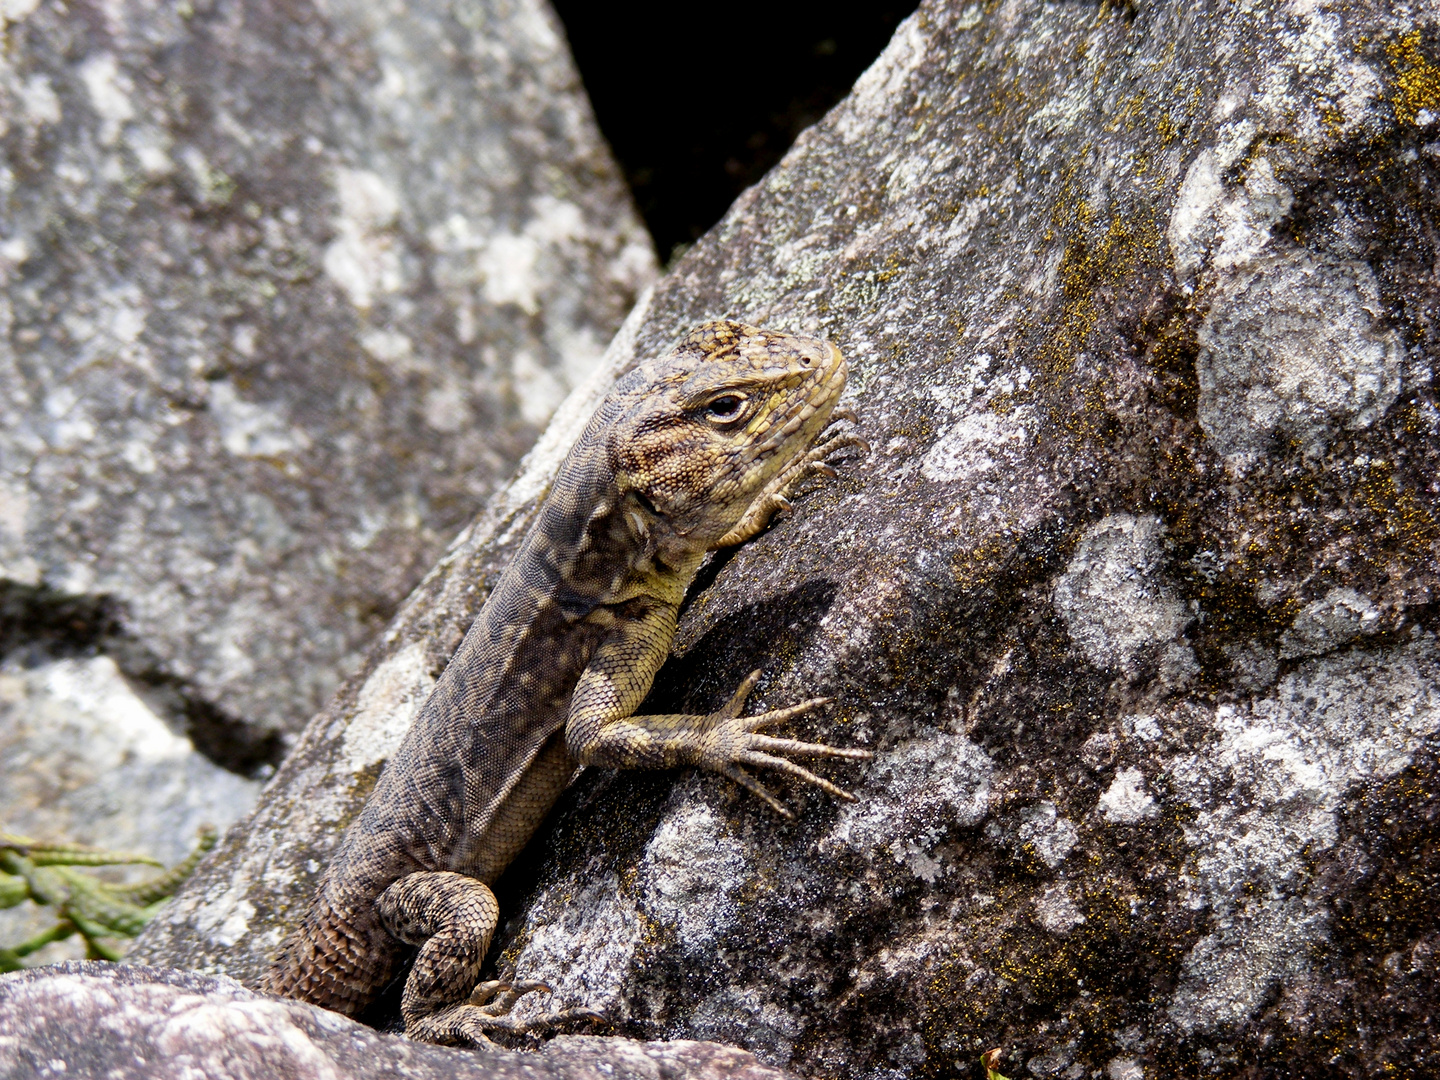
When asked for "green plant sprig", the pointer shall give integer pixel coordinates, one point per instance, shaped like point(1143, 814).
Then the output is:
point(49, 875)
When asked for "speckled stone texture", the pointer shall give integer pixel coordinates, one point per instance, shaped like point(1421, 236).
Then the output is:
point(285, 288)
point(151, 1024)
point(1134, 599)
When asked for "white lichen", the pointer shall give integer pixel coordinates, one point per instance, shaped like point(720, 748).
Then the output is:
point(1113, 595)
point(1336, 619)
point(977, 443)
point(1268, 792)
point(689, 874)
point(384, 707)
point(1056, 911)
point(925, 788)
point(249, 429)
point(580, 939)
point(364, 257)
point(1126, 801)
point(1045, 832)
point(1292, 350)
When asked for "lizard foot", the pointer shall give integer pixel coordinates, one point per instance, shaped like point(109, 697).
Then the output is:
point(474, 1025)
point(775, 496)
point(734, 741)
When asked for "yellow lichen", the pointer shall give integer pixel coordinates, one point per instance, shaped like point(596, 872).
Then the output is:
point(1129, 114)
point(893, 265)
point(1417, 80)
point(1404, 515)
point(1085, 268)
point(1165, 128)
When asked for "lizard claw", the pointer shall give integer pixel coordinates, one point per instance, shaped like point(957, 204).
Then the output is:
point(808, 749)
point(811, 463)
point(750, 784)
point(735, 742)
point(488, 1011)
point(737, 700)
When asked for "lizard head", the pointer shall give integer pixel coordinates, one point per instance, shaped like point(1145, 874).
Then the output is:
point(710, 424)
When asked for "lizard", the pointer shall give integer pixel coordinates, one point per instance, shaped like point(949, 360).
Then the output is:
point(693, 451)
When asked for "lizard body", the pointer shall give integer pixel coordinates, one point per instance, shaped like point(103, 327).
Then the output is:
point(691, 451)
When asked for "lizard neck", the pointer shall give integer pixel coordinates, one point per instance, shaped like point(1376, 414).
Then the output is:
point(627, 551)
point(599, 540)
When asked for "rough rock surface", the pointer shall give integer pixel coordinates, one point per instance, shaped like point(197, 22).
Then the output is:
point(1135, 597)
point(153, 1024)
point(285, 288)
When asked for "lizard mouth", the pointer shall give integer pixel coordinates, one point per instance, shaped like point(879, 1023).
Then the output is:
point(817, 394)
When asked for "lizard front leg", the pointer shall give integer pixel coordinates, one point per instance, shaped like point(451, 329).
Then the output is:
point(602, 730)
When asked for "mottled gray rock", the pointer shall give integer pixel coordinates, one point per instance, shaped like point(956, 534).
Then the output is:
point(118, 1023)
point(285, 288)
point(1108, 826)
point(1337, 618)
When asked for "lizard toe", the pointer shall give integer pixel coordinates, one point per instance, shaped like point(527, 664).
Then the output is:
point(769, 761)
point(737, 700)
point(759, 790)
point(469, 1025)
point(779, 716)
point(562, 1019)
point(498, 996)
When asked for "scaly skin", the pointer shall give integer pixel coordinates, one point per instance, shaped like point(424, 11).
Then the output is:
point(692, 451)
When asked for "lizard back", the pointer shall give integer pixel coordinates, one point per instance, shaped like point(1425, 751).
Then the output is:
point(497, 709)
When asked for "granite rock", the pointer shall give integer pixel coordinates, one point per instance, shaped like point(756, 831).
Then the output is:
point(285, 289)
point(157, 1024)
point(1118, 822)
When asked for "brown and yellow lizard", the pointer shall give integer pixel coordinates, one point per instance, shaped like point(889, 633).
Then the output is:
point(692, 451)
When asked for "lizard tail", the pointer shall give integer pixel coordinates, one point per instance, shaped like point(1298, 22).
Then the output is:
point(338, 958)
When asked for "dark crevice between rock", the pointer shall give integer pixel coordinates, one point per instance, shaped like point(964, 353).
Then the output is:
point(699, 100)
point(39, 624)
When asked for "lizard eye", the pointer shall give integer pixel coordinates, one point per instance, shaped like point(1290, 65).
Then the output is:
point(726, 407)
